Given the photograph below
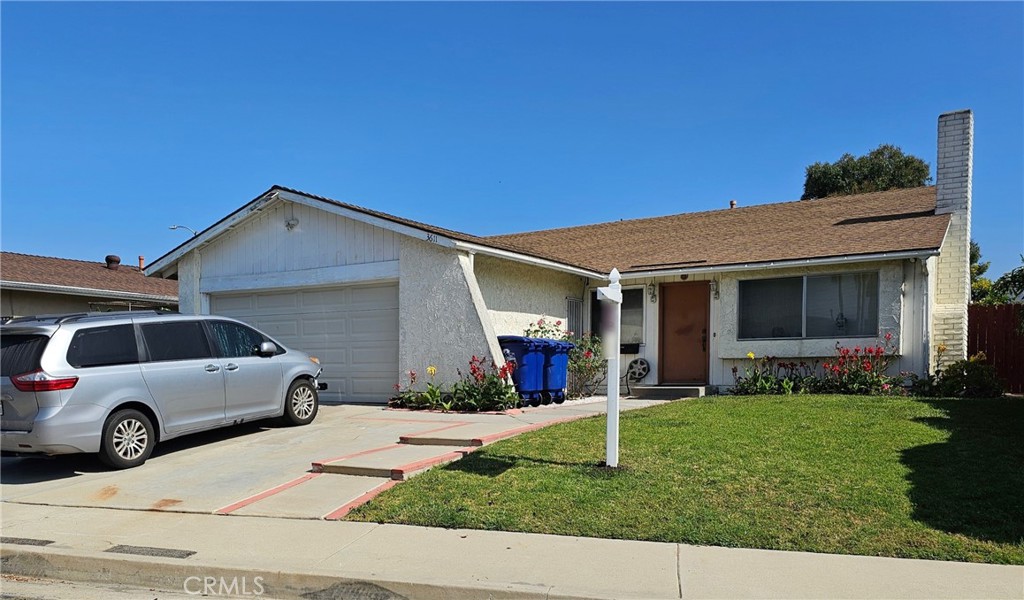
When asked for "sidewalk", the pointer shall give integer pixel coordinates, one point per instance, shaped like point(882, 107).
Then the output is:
point(316, 559)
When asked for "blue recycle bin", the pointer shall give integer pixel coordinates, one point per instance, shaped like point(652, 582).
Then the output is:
point(528, 375)
point(556, 369)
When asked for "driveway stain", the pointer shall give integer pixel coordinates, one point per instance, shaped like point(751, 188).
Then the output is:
point(162, 504)
point(106, 493)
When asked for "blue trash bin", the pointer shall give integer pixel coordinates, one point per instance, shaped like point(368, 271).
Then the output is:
point(528, 375)
point(556, 370)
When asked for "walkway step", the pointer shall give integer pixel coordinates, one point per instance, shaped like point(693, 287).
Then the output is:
point(313, 499)
point(667, 392)
point(399, 461)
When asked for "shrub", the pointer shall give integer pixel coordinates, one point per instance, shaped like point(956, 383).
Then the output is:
point(971, 378)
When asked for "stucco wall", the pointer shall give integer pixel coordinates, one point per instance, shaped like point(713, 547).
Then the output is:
point(189, 301)
point(18, 303)
point(518, 294)
point(442, 317)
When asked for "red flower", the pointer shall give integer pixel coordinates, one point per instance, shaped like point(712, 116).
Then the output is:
point(866, 365)
point(558, 323)
point(879, 350)
point(835, 369)
point(828, 365)
point(888, 335)
point(856, 350)
point(588, 354)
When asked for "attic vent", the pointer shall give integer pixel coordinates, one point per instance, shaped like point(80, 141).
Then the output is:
point(732, 204)
point(113, 262)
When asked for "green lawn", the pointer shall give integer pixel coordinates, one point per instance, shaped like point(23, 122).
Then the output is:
point(938, 479)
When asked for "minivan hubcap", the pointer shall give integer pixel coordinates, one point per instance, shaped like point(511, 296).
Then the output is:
point(302, 402)
point(130, 439)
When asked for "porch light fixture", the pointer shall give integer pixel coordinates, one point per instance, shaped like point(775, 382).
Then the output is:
point(714, 288)
point(652, 293)
point(291, 223)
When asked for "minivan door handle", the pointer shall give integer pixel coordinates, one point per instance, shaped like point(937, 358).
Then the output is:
point(212, 368)
point(231, 367)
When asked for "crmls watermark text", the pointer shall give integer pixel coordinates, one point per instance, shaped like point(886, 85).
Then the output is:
point(222, 586)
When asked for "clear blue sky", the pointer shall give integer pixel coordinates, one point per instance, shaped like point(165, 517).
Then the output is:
point(120, 119)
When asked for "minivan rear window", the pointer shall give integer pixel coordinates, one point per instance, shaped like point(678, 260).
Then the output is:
point(103, 346)
point(20, 353)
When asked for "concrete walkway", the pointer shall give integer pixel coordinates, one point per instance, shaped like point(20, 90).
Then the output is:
point(325, 560)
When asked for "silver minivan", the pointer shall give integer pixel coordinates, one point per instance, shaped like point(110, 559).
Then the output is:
point(117, 383)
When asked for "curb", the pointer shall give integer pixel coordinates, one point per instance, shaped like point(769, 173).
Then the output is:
point(175, 576)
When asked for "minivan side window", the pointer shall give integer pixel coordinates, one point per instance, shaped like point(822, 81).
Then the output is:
point(103, 346)
point(176, 340)
point(234, 340)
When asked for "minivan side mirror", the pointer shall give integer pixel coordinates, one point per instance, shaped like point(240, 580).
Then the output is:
point(268, 349)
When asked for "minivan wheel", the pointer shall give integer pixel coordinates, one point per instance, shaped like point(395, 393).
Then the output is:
point(301, 404)
point(128, 439)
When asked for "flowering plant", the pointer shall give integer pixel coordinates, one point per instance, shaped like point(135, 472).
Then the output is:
point(857, 370)
point(587, 367)
point(484, 387)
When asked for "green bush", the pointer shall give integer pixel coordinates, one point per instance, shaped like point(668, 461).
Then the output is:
point(971, 378)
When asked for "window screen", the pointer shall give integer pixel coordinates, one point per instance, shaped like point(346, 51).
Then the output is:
point(20, 353)
point(234, 340)
point(176, 340)
point(632, 315)
point(771, 308)
point(842, 305)
point(101, 346)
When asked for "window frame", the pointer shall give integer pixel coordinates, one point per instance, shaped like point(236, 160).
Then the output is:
point(592, 299)
point(803, 307)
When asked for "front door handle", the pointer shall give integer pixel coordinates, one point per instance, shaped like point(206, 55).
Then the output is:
point(704, 340)
point(212, 368)
point(231, 367)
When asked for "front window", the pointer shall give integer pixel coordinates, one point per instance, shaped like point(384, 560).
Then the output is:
point(234, 340)
point(813, 306)
point(632, 315)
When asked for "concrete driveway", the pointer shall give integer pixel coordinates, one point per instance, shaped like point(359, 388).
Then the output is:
point(345, 457)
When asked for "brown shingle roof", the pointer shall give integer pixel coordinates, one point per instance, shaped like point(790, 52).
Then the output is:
point(44, 270)
point(880, 222)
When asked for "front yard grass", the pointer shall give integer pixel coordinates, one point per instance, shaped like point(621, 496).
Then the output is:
point(903, 477)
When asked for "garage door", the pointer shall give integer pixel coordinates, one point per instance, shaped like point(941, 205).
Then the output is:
point(353, 330)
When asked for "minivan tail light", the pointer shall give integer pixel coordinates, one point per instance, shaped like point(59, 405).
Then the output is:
point(41, 381)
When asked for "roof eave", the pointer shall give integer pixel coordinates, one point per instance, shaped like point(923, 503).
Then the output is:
point(783, 264)
point(81, 291)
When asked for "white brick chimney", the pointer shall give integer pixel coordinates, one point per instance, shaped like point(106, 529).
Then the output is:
point(952, 270)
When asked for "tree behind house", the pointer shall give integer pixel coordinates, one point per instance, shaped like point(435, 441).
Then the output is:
point(884, 168)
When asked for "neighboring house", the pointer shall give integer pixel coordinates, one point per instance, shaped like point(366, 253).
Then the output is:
point(38, 285)
point(376, 296)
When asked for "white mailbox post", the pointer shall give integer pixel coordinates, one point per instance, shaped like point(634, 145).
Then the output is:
point(611, 324)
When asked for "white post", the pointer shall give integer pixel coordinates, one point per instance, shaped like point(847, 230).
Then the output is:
point(611, 327)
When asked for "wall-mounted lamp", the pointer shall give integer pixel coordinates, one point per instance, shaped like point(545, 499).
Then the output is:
point(652, 293)
point(714, 288)
point(291, 223)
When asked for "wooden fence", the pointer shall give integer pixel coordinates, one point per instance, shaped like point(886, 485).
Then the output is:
point(997, 331)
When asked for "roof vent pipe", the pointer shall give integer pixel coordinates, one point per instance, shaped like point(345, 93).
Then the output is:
point(113, 262)
point(142, 262)
point(732, 204)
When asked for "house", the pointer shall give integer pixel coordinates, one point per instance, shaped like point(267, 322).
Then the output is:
point(376, 296)
point(38, 285)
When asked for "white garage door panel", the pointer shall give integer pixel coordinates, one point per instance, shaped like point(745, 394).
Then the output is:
point(352, 330)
